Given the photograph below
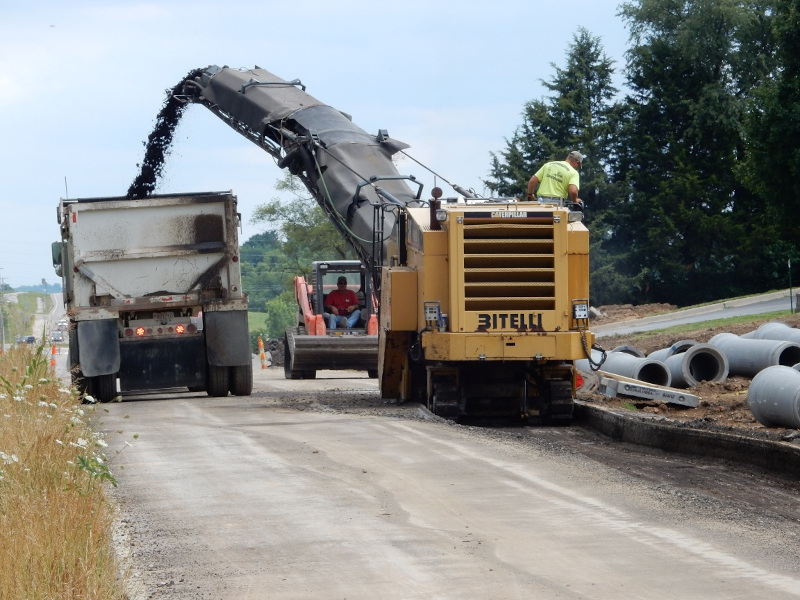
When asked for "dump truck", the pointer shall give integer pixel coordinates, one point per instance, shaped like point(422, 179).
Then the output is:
point(483, 302)
point(312, 345)
point(153, 293)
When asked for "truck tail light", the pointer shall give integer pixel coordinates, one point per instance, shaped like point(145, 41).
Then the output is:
point(140, 331)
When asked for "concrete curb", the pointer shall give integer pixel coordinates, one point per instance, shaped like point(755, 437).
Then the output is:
point(780, 457)
point(690, 312)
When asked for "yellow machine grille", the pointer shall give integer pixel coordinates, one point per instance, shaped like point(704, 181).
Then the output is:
point(509, 266)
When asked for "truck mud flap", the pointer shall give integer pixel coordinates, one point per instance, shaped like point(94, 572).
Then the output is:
point(311, 352)
point(161, 364)
point(98, 347)
point(227, 338)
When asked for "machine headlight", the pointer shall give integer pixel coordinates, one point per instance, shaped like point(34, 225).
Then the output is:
point(575, 216)
point(441, 215)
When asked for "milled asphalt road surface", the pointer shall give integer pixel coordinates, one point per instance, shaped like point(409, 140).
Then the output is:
point(290, 495)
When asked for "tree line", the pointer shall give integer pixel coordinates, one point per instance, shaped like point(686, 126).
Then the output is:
point(692, 178)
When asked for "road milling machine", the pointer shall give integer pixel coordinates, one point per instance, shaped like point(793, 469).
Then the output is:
point(483, 302)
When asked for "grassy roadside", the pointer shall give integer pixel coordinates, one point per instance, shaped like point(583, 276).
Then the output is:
point(55, 520)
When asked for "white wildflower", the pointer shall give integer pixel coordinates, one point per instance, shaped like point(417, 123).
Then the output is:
point(8, 458)
point(43, 380)
point(89, 399)
point(101, 443)
point(28, 386)
point(42, 403)
point(65, 391)
point(53, 405)
point(59, 442)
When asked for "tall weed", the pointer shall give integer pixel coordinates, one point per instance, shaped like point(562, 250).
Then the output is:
point(55, 521)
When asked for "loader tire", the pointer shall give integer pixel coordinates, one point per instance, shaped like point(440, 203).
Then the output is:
point(288, 373)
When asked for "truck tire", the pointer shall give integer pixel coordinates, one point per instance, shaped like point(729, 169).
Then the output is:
point(217, 381)
point(242, 380)
point(103, 387)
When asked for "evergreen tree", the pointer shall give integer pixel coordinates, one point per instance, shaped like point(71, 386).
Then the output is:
point(579, 115)
point(691, 68)
point(771, 168)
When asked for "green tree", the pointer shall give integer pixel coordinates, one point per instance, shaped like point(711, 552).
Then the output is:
point(580, 114)
point(265, 274)
point(771, 168)
point(691, 68)
point(298, 233)
point(305, 231)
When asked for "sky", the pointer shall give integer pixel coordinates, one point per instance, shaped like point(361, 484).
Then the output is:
point(81, 83)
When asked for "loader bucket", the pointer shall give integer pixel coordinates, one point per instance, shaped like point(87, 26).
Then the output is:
point(306, 354)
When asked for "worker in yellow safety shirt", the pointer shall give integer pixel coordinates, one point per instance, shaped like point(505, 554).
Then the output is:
point(558, 180)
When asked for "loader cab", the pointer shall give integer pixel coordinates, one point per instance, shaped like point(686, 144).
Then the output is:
point(326, 273)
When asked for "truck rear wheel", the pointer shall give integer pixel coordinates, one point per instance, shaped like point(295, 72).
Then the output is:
point(217, 381)
point(242, 380)
point(103, 387)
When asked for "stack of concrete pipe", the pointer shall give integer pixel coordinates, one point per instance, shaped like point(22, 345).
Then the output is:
point(690, 362)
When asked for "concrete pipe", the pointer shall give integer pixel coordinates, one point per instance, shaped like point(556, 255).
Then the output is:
point(747, 357)
point(676, 348)
point(775, 330)
point(774, 397)
point(622, 363)
point(700, 362)
point(632, 350)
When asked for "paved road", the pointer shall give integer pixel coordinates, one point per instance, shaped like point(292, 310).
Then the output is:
point(753, 305)
point(322, 491)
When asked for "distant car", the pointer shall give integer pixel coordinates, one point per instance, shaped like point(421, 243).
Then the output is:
point(30, 340)
point(57, 336)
